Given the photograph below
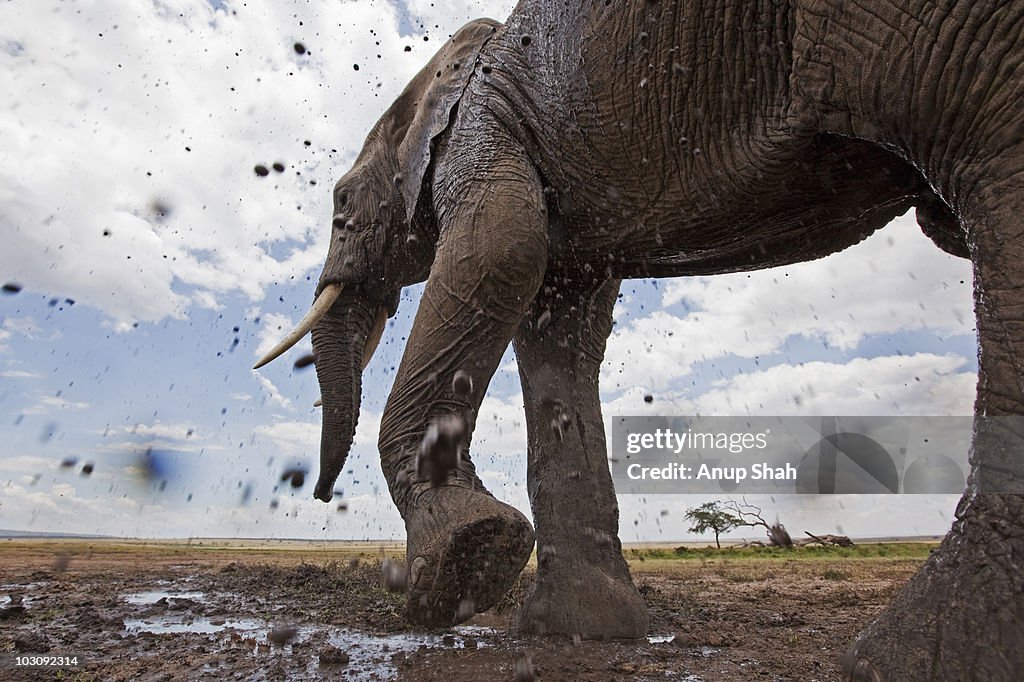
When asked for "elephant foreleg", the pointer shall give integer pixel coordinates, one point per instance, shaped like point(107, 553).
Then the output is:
point(464, 548)
point(962, 616)
point(583, 586)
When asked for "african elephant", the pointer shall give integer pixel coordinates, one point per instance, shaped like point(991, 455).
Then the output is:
point(532, 165)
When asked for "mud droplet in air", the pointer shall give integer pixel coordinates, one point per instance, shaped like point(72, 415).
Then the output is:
point(462, 384)
point(295, 476)
point(441, 449)
point(648, 398)
point(394, 575)
point(332, 655)
point(300, 48)
point(278, 166)
point(305, 361)
point(281, 635)
point(524, 670)
point(261, 170)
point(465, 610)
point(11, 288)
point(87, 468)
point(61, 561)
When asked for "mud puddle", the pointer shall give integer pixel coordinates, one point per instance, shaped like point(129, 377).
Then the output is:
point(136, 615)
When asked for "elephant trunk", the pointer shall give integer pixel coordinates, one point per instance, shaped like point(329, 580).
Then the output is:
point(343, 341)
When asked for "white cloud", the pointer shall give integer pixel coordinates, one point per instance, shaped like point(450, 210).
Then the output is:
point(143, 122)
point(449, 16)
point(303, 438)
point(271, 390)
point(17, 373)
point(30, 464)
point(291, 438)
point(48, 404)
point(160, 429)
point(27, 327)
point(921, 384)
point(895, 281)
point(273, 327)
point(500, 427)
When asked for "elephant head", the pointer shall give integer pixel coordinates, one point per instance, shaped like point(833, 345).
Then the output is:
point(382, 238)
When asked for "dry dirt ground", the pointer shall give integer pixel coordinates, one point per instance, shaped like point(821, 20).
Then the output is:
point(276, 611)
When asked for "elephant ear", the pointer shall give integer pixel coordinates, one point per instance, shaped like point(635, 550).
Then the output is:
point(423, 110)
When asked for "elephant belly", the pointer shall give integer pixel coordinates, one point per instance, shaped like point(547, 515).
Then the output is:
point(819, 198)
point(666, 155)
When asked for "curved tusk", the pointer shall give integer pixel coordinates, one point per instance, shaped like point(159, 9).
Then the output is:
point(373, 339)
point(319, 308)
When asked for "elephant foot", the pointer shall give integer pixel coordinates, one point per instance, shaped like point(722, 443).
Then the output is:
point(465, 550)
point(961, 617)
point(591, 599)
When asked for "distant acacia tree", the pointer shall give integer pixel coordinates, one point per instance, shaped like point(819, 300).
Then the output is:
point(711, 516)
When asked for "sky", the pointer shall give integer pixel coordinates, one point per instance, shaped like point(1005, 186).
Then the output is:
point(155, 267)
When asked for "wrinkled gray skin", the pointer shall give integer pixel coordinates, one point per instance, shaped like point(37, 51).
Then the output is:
point(533, 165)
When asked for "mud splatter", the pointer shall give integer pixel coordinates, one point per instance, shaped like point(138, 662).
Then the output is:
point(441, 449)
point(296, 476)
point(462, 384)
point(305, 361)
point(282, 634)
point(394, 575)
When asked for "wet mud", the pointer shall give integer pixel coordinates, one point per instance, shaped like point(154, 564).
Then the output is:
point(144, 611)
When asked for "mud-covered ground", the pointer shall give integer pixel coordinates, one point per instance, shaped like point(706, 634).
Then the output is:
point(266, 611)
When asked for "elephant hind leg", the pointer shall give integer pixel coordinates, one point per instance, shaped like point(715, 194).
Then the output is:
point(961, 617)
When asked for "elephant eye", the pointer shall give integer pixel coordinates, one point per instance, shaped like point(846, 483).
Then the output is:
point(342, 200)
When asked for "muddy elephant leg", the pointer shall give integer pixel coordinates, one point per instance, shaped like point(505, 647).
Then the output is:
point(583, 584)
point(464, 547)
point(962, 616)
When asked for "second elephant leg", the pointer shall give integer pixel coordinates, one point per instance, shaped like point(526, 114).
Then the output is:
point(583, 585)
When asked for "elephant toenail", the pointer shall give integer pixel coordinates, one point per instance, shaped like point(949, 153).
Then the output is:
point(416, 570)
point(862, 670)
